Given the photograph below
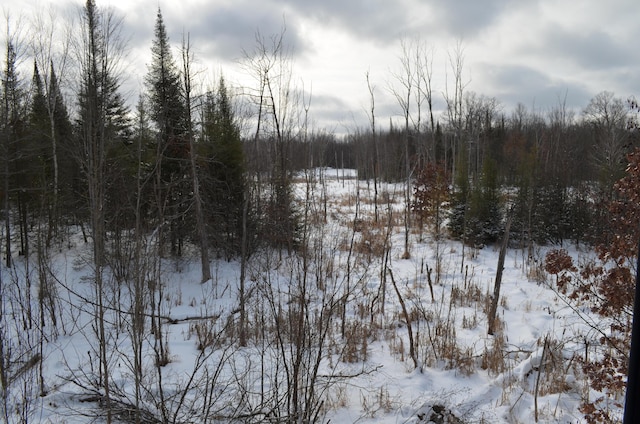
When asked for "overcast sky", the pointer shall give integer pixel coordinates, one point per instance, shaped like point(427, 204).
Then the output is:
point(519, 51)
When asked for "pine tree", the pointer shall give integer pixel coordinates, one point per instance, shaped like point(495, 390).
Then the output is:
point(66, 186)
point(458, 215)
point(476, 215)
point(485, 211)
point(168, 112)
point(41, 169)
point(12, 132)
point(226, 169)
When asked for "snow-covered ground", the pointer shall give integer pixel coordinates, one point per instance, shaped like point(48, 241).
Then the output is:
point(355, 351)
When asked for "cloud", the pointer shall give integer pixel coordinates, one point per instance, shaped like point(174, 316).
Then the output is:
point(466, 18)
point(329, 110)
point(513, 84)
point(221, 31)
point(591, 48)
point(379, 21)
point(532, 52)
point(230, 30)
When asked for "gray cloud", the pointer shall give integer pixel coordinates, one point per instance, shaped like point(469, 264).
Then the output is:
point(466, 18)
point(228, 31)
point(218, 32)
point(531, 52)
point(329, 108)
point(589, 48)
point(515, 84)
point(376, 20)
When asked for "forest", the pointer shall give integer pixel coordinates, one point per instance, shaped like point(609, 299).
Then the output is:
point(221, 215)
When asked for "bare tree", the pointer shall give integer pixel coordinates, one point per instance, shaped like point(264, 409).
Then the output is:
point(424, 76)
point(187, 60)
point(374, 140)
point(100, 49)
point(608, 117)
point(454, 100)
point(491, 318)
point(403, 94)
point(278, 121)
point(50, 45)
point(479, 114)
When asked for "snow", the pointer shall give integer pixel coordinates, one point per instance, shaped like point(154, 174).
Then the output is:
point(385, 387)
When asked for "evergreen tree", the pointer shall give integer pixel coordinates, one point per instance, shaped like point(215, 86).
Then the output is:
point(226, 169)
point(168, 112)
point(485, 223)
point(67, 175)
point(460, 200)
point(12, 134)
point(476, 215)
point(50, 166)
point(41, 169)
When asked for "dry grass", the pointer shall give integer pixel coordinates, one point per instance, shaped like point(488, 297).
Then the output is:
point(356, 344)
point(206, 334)
point(493, 356)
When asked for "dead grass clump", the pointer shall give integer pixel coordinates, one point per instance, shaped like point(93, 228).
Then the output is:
point(396, 347)
point(536, 272)
point(554, 370)
point(470, 322)
point(205, 332)
point(465, 361)
point(467, 296)
point(493, 359)
point(356, 346)
point(346, 200)
point(371, 243)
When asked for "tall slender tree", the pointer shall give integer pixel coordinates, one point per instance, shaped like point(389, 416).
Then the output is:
point(101, 123)
point(50, 43)
point(11, 131)
point(168, 112)
point(225, 158)
point(198, 202)
point(272, 66)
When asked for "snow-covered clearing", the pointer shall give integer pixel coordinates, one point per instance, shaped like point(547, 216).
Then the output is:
point(324, 334)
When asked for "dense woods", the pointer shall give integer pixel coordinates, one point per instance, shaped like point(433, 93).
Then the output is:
point(206, 173)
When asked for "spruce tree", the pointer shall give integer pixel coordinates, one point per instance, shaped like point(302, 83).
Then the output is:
point(41, 171)
point(168, 112)
point(458, 215)
point(226, 169)
point(50, 134)
point(12, 133)
point(476, 215)
point(66, 186)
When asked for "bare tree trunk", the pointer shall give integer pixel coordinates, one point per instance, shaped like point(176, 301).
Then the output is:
point(376, 154)
point(243, 272)
point(97, 54)
point(197, 198)
point(7, 215)
point(51, 45)
point(4, 360)
point(454, 103)
point(406, 80)
point(496, 287)
point(412, 347)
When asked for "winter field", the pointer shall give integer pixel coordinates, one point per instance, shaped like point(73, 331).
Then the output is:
point(345, 330)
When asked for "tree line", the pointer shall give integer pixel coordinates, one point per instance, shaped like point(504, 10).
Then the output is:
point(181, 175)
point(186, 147)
